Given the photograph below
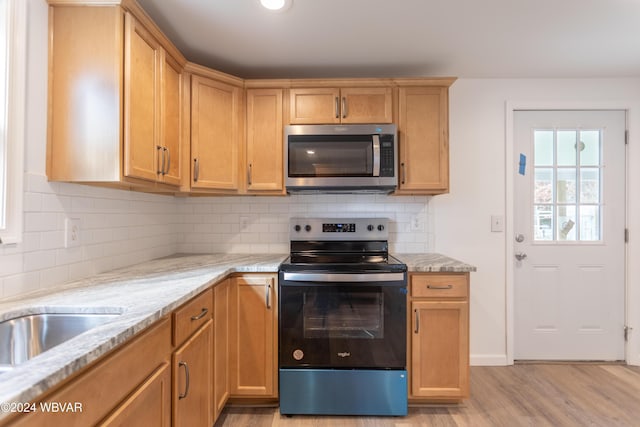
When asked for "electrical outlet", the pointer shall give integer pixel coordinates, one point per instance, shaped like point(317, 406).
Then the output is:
point(71, 232)
point(416, 223)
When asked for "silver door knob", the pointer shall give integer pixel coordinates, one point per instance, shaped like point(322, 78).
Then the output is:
point(520, 256)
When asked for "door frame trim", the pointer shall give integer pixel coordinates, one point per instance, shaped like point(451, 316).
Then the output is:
point(510, 108)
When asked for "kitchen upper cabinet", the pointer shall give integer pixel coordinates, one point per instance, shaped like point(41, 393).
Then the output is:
point(264, 165)
point(423, 134)
point(340, 105)
point(254, 337)
point(115, 97)
point(215, 134)
point(439, 341)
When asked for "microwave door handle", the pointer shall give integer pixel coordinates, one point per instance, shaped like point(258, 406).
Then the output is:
point(376, 155)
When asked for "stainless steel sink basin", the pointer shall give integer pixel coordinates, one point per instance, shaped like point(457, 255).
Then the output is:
point(22, 338)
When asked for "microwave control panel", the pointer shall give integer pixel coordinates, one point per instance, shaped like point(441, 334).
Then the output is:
point(387, 162)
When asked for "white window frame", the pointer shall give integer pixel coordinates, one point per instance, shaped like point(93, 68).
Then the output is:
point(15, 119)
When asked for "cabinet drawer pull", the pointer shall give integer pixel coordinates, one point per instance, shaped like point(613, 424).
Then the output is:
point(404, 175)
point(417, 321)
point(436, 287)
point(249, 172)
point(344, 107)
point(186, 385)
point(337, 107)
point(196, 170)
point(201, 315)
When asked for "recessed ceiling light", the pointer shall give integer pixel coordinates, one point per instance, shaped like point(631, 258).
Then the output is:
point(276, 5)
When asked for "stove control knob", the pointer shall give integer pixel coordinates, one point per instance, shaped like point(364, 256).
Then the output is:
point(380, 227)
point(307, 228)
point(370, 227)
point(297, 227)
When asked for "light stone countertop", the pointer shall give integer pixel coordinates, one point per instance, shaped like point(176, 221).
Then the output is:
point(433, 263)
point(142, 293)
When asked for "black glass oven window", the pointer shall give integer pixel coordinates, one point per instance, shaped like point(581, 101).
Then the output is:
point(330, 157)
point(358, 315)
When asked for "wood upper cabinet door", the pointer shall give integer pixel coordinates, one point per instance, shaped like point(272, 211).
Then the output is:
point(215, 110)
point(221, 346)
point(366, 105)
point(314, 106)
point(172, 121)
point(192, 388)
point(346, 105)
point(439, 349)
point(264, 140)
point(254, 336)
point(141, 104)
point(423, 133)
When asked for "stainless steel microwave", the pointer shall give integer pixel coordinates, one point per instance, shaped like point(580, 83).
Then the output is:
point(341, 158)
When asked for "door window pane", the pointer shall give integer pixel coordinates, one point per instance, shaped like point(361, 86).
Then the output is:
point(589, 185)
point(543, 222)
point(567, 223)
point(543, 147)
point(566, 147)
point(566, 185)
point(590, 223)
point(543, 186)
point(589, 148)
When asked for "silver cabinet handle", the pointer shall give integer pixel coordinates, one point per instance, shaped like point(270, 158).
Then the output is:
point(249, 174)
point(417, 321)
point(404, 175)
point(168, 160)
point(344, 107)
point(439, 287)
point(196, 170)
point(201, 315)
point(337, 107)
point(160, 168)
point(267, 288)
point(186, 386)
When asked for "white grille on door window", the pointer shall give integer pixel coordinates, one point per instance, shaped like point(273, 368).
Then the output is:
point(567, 185)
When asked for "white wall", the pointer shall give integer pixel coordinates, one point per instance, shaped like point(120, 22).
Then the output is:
point(478, 177)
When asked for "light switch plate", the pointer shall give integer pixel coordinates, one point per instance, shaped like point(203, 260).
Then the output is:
point(497, 223)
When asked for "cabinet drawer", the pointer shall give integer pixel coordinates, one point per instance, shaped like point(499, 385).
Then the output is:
point(188, 318)
point(439, 285)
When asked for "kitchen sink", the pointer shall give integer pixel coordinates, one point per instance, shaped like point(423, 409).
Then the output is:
point(24, 337)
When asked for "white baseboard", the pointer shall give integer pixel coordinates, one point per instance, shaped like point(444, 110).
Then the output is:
point(488, 360)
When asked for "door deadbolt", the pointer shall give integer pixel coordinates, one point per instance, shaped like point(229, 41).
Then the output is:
point(519, 238)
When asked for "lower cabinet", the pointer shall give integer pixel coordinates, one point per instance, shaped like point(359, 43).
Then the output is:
point(221, 336)
point(254, 338)
point(192, 388)
point(439, 337)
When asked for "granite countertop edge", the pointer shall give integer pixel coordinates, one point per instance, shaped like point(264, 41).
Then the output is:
point(141, 294)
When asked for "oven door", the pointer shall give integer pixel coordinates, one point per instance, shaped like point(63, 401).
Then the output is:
point(342, 320)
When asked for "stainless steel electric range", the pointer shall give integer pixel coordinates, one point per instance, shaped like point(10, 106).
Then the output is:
point(342, 320)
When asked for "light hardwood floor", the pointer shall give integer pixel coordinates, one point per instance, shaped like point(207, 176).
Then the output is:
point(528, 394)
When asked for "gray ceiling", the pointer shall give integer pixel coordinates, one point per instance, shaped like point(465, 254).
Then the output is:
point(403, 38)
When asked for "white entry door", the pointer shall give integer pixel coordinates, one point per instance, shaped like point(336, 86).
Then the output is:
point(569, 235)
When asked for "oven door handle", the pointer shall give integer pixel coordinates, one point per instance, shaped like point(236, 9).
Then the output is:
point(344, 277)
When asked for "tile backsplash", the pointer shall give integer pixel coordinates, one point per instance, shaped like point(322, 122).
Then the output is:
point(120, 228)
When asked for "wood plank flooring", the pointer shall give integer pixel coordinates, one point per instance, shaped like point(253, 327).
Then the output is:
point(530, 394)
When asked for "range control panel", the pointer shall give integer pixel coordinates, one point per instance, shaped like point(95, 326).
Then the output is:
point(339, 229)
